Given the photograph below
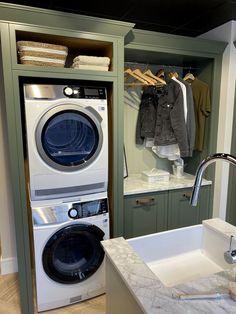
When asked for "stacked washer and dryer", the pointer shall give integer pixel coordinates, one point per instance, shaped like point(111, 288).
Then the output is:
point(67, 149)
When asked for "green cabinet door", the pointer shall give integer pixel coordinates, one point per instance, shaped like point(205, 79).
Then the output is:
point(145, 214)
point(181, 213)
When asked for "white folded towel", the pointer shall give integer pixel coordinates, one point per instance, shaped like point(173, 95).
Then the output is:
point(89, 60)
point(89, 67)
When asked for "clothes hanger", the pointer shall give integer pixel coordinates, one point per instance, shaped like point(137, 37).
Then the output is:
point(160, 73)
point(137, 77)
point(145, 77)
point(156, 78)
point(173, 74)
point(189, 77)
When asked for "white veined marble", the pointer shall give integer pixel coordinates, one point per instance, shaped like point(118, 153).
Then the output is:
point(154, 297)
point(134, 184)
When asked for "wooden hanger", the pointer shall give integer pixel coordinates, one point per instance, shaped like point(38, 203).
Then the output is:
point(144, 77)
point(160, 73)
point(156, 78)
point(173, 74)
point(189, 77)
point(137, 77)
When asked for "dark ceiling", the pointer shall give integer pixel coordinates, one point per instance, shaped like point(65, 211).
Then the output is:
point(181, 17)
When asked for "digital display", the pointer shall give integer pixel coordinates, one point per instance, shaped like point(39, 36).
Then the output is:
point(91, 208)
point(91, 92)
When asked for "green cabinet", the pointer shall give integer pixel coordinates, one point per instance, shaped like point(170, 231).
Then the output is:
point(82, 35)
point(154, 212)
point(181, 213)
point(145, 213)
point(88, 35)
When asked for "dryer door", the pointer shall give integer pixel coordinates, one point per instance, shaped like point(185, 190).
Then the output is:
point(69, 137)
point(73, 253)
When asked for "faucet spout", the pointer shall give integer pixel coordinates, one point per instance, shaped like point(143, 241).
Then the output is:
point(201, 168)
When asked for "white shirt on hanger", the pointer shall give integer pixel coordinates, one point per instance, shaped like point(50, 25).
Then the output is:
point(183, 87)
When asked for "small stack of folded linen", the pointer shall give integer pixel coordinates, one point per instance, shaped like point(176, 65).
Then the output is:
point(42, 54)
point(91, 63)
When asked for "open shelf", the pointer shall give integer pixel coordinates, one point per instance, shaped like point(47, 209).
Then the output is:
point(76, 46)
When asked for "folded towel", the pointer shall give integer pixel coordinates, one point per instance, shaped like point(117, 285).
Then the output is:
point(44, 54)
point(42, 61)
point(89, 67)
point(89, 60)
point(22, 44)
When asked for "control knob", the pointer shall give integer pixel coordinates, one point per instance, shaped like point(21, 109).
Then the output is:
point(68, 91)
point(73, 213)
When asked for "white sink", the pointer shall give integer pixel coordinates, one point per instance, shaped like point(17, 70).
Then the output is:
point(184, 254)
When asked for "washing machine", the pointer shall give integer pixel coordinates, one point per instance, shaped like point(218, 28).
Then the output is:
point(66, 140)
point(69, 258)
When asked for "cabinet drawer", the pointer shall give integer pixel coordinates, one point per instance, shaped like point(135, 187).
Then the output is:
point(145, 214)
point(181, 213)
point(142, 200)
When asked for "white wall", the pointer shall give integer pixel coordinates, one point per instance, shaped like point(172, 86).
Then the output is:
point(226, 33)
point(7, 229)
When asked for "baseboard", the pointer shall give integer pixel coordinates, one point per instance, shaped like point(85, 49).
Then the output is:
point(8, 265)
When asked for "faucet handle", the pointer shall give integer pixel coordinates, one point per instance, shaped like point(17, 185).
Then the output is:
point(230, 255)
point(230, 243)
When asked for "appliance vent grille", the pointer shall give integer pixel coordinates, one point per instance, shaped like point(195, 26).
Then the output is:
point(76, 299)
point(70, 191)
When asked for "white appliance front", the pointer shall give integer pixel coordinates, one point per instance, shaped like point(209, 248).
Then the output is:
point(67, 140)
point(69, 259)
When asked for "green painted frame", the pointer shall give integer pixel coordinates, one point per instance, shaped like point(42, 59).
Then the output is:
point(13, 18)
point(30, 18)
point(141, 42)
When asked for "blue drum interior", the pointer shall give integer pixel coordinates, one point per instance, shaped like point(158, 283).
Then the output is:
point(70, 138)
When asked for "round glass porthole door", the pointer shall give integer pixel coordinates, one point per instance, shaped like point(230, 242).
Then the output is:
point(69, 137)
point(73, 253)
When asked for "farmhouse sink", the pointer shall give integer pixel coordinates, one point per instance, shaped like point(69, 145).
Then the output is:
point(182, 255)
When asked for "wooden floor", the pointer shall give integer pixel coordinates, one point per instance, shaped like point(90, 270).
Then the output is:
point(10, 302)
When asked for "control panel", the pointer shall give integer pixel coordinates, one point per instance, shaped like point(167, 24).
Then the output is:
point(88, 209)
point(72, 91)
point(63, 212)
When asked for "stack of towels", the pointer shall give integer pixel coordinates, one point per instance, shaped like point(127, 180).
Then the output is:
point(42, 54)
point(91, 63)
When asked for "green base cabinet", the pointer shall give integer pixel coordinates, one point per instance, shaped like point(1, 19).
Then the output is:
point(145, 214)
point(181, 213)
point(148, 213)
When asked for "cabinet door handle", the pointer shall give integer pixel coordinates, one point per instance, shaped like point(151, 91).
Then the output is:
point(145, 201)
point(187, 195)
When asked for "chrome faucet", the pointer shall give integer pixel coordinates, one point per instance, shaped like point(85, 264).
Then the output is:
point(230, 255)
point(203, 165)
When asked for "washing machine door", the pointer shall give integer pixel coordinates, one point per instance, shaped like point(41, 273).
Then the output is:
point(69, 137)
point(74, 253)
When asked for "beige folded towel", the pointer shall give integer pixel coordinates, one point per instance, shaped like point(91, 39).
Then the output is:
point(89, 67)
point(36, 53)
point(42, 61)
point(92, 60)
point(44, 54)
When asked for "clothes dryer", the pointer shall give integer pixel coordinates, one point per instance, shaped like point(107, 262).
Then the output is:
point(69, 258)
point(67, 140)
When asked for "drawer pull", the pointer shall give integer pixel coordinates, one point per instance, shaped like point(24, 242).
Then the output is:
point(145, 201)
point(187, 195)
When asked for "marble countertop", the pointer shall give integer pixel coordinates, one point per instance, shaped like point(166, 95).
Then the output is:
point(154, 297)
point(134, 184)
